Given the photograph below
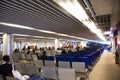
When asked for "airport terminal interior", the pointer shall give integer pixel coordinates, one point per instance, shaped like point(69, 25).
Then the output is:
point(60, 39)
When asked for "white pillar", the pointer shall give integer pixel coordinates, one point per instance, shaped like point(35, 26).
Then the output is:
point(7, 44)
point(113, 45)
point(56, 44)
point(20, 45)
point(115, 41)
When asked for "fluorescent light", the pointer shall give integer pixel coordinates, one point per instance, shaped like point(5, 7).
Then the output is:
point(89, 24)
point(15, 25)
point(96, 31)
point(20, 38)
point(75, 9)
point(62, 34)
point(1, 33)
point(106, 42)
point(43, 37)
point(107, 32)
point(45, 31)
point(32, 36)
point(21, 35)
point(25, 27)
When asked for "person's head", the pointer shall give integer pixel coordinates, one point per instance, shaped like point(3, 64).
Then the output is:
point(6, 58)
point(28, 52)
point(63, 51)
point(16, 50)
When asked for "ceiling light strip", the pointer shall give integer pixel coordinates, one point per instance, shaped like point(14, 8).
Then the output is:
point(56, 11)
point(32, 36)
point(74, 8)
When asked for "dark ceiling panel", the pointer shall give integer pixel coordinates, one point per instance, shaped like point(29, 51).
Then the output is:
point(104, 21)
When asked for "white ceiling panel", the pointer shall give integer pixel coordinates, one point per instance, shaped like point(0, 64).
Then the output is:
point(102, 7)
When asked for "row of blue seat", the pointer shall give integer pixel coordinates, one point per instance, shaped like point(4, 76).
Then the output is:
point(89, 57)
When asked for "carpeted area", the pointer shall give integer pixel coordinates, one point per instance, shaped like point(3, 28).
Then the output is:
point(105, 69)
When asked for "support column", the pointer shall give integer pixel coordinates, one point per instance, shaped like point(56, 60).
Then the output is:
point(113, 45)
point(115, 39)
point(7, 44)
point(56, 44)
point(20, 45)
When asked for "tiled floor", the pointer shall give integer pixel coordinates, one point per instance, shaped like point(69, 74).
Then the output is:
point(105, 69)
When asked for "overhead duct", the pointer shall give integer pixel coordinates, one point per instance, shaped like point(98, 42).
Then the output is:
point(90, 9)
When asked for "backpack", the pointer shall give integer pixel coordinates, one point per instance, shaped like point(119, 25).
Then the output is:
point(37, 77)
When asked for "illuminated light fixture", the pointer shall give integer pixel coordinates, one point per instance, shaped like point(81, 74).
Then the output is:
point(44, 37)
point(20, 38)
point(79, 38)
point(75, 9)
point(32, 36)
point(105, 42)
point(25, 27)
point(118, 42)
point(107, 32)
point(1, 33)
point(21, 35)
point(62, 34)
point(15, 25)
point(45, 31)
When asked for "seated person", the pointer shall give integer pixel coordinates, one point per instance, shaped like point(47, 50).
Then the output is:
point(44, 56)
point(6, 68)
point(63, 52)
point(70, 52)
point(16, 50)
point(33, 51)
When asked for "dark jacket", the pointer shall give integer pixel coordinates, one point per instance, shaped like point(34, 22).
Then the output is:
point(43, 57)
point(6, 70)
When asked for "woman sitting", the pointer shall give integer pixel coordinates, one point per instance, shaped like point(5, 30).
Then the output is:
point(6, 67)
